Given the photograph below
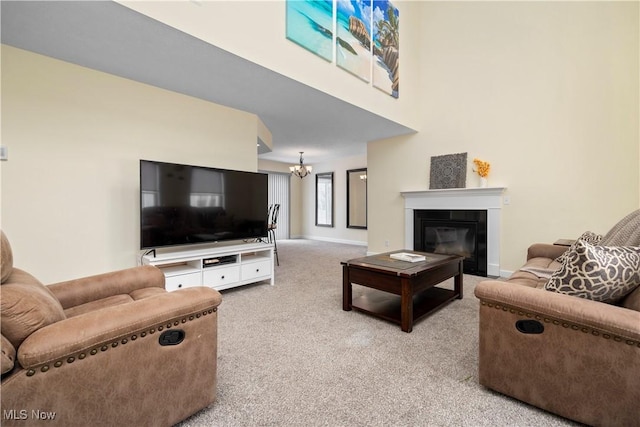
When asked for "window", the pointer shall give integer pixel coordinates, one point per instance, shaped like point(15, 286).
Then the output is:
point(324, 199)
point(357, 198)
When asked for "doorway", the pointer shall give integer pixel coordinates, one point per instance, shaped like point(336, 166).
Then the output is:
point(280, 193)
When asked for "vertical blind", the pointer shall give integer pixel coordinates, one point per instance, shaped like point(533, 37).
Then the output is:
point(279, 192)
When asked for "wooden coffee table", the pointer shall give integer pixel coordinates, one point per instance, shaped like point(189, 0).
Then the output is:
point(409, 290)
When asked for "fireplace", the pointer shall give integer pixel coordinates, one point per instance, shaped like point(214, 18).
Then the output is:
point(456, 232)
point(486, 199)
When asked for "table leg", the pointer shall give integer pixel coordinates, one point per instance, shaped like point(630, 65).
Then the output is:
point(346, 289)
point(458, 281)
point(406, 306)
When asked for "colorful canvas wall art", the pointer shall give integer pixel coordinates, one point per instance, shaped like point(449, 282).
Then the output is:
point(386, 43)
point(367, 36)
point(353, 37)
point(310, 24)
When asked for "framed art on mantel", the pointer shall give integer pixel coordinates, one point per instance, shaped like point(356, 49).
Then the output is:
point(310, 25)
point(448, 171)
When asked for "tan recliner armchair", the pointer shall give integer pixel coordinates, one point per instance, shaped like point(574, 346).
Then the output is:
point(112, 349)
point(573, 356)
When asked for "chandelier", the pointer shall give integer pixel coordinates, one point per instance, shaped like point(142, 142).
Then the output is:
point(300, 170)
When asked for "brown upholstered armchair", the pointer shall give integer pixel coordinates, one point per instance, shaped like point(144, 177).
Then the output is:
point(574, 356)
point(112, 349)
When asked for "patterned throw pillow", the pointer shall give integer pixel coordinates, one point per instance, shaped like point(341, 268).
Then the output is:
point(587, 236)
point(598, 273)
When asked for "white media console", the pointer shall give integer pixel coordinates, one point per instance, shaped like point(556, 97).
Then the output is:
point(220, 267)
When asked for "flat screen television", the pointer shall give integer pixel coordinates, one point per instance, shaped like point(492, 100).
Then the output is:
point(183, 205)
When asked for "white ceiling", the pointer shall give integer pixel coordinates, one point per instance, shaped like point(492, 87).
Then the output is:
point(109, 37)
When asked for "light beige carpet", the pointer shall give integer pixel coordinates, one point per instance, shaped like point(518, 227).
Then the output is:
point(288, 355)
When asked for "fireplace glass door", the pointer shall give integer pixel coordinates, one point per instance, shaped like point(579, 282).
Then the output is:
point(454, 232)
point(453, 238)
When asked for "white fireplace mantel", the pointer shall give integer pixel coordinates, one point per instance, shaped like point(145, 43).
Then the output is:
point(489, 199)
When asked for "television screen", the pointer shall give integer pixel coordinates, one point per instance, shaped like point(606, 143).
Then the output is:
point(182, 204)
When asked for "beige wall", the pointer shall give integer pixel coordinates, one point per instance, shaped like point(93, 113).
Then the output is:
point(255, 30)
point(339, 232)
point(303, 201)
point(264, 134)
point(75, 136)
point(546, 92)
point(295, 214)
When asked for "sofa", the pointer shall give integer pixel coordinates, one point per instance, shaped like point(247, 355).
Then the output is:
point(573, 355)
point(111, 349)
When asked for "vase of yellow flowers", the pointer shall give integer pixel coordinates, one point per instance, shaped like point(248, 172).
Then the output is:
point(482, 168)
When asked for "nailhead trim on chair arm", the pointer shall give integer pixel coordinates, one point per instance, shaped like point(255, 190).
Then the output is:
point(546, 319)
point(105, 346)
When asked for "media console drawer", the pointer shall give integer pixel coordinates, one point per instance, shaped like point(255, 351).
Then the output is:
point(220, 276)
point(256, 269)
point(172, 283)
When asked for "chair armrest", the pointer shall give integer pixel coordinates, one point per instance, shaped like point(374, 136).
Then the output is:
point(576, 312)
point(112, 325)
point(80, 291)
point(545, 250)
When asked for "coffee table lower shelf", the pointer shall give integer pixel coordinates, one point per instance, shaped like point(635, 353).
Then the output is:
point(387, 306)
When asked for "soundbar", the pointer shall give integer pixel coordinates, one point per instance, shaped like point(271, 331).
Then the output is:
point(211, 262)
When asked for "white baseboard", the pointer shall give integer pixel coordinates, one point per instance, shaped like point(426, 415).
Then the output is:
point(330, 239)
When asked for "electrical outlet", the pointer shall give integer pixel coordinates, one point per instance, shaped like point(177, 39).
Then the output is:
point(386, 243)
